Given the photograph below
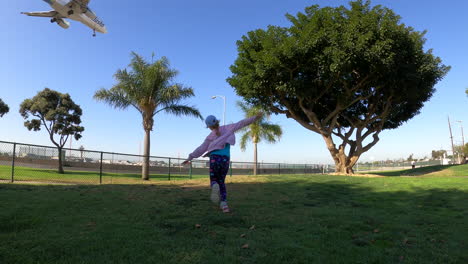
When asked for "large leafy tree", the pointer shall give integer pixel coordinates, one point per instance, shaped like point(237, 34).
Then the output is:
point(3, 108)
point(150, 89)
point(438, 154)
point(57, 113)
point(257, 131)
point(462, 151)
point(344, 73)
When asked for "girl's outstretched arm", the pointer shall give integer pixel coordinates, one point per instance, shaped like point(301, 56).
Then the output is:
point(198, 151)
point(236, 126)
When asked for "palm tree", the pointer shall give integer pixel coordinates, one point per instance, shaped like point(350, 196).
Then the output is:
point(255, 132)
point(149, 87)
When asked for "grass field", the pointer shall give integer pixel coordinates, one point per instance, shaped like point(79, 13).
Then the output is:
point(275, 219)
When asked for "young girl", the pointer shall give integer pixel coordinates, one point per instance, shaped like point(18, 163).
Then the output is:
point(217, 146)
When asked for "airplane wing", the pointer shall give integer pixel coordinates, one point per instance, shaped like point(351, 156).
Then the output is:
point(41, 14)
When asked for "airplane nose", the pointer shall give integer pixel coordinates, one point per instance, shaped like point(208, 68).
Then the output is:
point(102, 30)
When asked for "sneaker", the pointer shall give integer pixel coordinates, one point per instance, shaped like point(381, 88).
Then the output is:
point(215, 193)
point(224, 207)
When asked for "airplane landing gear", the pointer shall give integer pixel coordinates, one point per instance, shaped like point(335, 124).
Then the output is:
point(94, 32)
point(53, 20)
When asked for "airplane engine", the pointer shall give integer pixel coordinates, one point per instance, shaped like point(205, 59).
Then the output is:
point(63, 23)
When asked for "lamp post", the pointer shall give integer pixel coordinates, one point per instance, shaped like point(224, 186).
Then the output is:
point(463, 139)
point(451, 140)
point(224, 107)
point(461, 126)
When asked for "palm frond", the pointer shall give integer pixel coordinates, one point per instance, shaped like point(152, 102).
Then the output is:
point(181, 110)
point(115, 97)
point(270, 132)
point(138, 64)
point(244, 140)
point(158, 78)
point(129, 84)
point(174, 94)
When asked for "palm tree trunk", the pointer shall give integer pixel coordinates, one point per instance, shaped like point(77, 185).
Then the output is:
point(146, 154)
point(255, 159)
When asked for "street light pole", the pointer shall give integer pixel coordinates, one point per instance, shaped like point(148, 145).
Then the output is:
point(451, 139)
point(463, 140)
point(463, 137)
point(224, 106)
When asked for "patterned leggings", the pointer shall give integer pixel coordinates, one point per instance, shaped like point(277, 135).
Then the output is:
point(219, 167)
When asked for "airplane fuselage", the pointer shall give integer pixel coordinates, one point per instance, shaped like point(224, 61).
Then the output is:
point(75, 10)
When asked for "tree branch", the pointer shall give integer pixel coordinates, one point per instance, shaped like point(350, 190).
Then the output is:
point(327, 87)
point(310, 115)
point(298, 119)
point(371, 144)
point(279, 111)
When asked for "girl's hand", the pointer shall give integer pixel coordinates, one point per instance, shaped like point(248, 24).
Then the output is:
point(186, 162)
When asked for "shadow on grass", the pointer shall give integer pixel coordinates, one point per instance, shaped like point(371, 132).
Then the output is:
point(313, 220)
point(414, 172)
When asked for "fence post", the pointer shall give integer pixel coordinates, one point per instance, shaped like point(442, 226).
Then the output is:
point(169, 169)
point(279, 168)
point(13, 163)
point(100, 170)
point(190, 170)
point(230, 167)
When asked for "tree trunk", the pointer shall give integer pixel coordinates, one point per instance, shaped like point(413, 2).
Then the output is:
point(344, 168)
point(255, 159)
point(60, 161)
point(146, 154)
point(343, 163)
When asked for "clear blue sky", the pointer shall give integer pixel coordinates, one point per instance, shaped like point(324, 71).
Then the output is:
point(198, 38)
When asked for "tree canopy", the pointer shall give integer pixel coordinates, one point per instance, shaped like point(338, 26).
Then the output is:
point(3, 108)
point(344, 73)
point(57, 113)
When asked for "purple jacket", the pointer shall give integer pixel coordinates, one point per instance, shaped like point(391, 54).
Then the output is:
point(213, 142)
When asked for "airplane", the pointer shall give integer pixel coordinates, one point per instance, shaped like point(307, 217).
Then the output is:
point(73, 9)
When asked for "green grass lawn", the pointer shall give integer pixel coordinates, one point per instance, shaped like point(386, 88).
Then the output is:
point(282, 219)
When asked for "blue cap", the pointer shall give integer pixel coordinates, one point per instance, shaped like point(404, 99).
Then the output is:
point(211, 121)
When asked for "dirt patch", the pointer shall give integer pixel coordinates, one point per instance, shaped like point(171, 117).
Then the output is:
point(357, 175)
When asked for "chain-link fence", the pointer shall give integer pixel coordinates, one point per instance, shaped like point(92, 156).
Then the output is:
point(393, 165)
point(35, 163)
